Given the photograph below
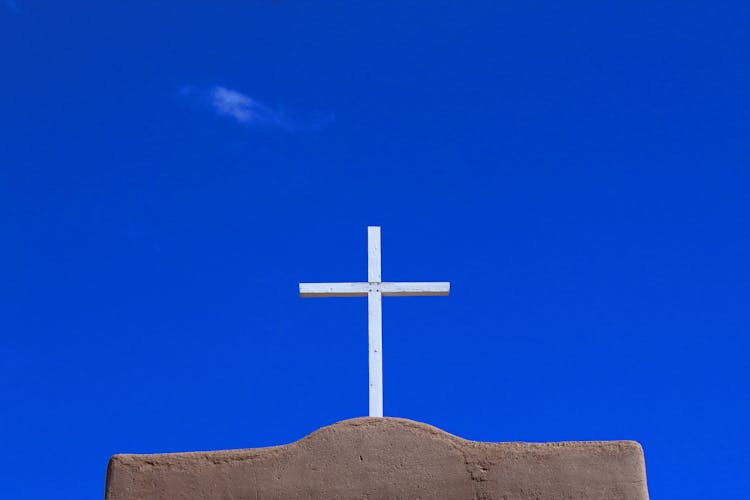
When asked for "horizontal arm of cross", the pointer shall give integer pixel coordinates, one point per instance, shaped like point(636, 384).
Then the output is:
point(387, 288)
point(333, 289)
point(429, 288)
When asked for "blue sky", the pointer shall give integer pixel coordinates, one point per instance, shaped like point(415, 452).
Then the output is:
point(170, 172)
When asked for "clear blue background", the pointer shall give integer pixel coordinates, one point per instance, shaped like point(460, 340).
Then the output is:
point(578, 172)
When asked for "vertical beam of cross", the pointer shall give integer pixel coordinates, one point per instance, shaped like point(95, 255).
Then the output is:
point(375, 318)
point(374, 290)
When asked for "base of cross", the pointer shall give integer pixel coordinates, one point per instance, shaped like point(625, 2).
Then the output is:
point(387, 458)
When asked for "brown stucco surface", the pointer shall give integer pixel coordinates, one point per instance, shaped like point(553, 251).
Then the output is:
point(386, 458)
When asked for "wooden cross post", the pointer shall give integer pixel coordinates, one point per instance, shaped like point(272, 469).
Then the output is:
point(374, 289)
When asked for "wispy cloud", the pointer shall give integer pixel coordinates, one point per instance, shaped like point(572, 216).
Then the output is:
point(247, 110)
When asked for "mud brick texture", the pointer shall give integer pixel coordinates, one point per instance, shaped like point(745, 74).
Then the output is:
point(386, 458)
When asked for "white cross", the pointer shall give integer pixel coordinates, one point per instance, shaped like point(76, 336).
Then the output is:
point(374, 289)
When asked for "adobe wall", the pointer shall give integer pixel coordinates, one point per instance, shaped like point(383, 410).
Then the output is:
point(387, 458)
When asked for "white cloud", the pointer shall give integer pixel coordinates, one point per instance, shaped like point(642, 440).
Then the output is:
point(244, 109)
point(247, 110)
